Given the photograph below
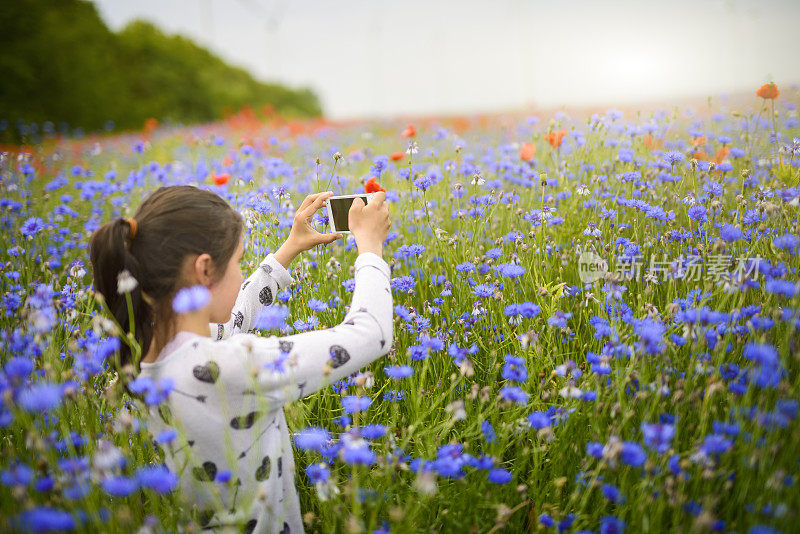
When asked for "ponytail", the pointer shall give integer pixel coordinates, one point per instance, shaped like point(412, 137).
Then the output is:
point(112, 261)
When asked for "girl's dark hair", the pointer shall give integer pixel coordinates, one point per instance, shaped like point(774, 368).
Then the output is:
point(172, 223)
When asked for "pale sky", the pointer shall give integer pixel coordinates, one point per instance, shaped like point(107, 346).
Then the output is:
point(381, 58)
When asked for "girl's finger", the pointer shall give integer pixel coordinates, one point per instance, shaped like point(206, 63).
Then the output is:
point(308, 200)
point(317, 203)
point(329, 238)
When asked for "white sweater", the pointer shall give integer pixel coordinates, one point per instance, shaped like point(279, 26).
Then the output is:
point(229, 392)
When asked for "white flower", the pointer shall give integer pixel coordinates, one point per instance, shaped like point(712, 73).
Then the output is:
point(426, 482)
point(125, 282)
point(456, 408)
point(102, 324)
point(326, 490)
point(107, 457)
point(77, 271)
point(583, 191)
point(570, 391)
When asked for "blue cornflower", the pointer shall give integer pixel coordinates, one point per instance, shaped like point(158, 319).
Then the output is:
point(271, 318)
point(612, 493)
point(44, 484)
point(730, 233)
point(317, 305)
point(559, 319)
point(488, 432)
point(318, 472)
point(158, 478)
point(539, 420)
point(46, 519)
point(166, 436)
point(32, 226)
point(354, 403)
point(460, 354)
point(189, 299)
point(41, 397)
point(399, 371)
point(423, 182)
point(373, 431)
point(514, 369)
point(379, 164)
point(658, 436)
point(715, 444)
point(698, 213)
point(309, 323)
point(514, 394)
point(674, 157)
point(394, 395)
point(764, 354)
point(675, 464)
point(120, 486)
point(788, 242)
point(311, 438)
point(358, 455)
point(780, 287)
point(153, 393)
point(499, 476)
point(632, 454)
point(713, 188)
point(565, 523)
point(18, 367)
point(611, 525)
point(465, 267)
point(483, 290)
point(529, 310)
point(17, 475)
point(510, 270)
point(594, 448)
point(403, 284)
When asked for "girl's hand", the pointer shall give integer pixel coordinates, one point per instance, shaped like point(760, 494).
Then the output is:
point(303, 236)
point(370, 224)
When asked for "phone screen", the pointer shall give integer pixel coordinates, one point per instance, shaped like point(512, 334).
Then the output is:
point(340, 207)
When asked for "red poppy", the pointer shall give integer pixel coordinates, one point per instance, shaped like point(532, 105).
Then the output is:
point(554, 138)
point(150, 124)
point(697, 141)
point(397, 156)
point(768, 91)
point(527, 151)
point(410, 131)
point(721, 154)
point(372, 186)
point(221, 179)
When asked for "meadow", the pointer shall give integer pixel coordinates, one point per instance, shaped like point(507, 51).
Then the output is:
point(596, 322)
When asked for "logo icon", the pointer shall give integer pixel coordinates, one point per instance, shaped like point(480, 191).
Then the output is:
point(591, 267)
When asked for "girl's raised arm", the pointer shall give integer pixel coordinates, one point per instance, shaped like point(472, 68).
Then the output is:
point(292, 367)
point(259, 290)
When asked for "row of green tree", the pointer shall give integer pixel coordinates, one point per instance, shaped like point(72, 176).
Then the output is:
point(61, 65)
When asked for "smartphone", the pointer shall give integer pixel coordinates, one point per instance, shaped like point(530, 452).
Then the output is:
point(339, 209)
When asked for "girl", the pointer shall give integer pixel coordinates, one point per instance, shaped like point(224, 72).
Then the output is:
point(226, 385)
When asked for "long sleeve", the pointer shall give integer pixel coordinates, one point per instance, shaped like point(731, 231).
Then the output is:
point(294, 366)
point(259, 290)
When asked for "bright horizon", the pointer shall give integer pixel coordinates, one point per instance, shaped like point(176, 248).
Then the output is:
point(371, 58)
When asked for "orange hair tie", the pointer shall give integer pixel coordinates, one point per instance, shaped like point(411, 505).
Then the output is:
point(134, 227)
